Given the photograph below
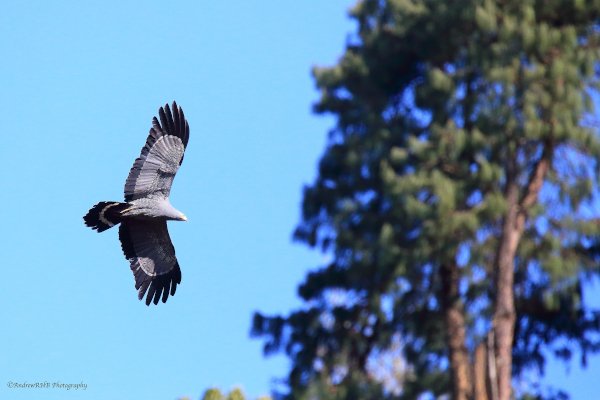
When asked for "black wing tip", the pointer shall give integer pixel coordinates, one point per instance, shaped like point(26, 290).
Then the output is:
point(172, 122)
point(174, 107)
point(158, 287)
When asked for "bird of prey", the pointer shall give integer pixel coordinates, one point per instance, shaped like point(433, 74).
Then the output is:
point(144, 214)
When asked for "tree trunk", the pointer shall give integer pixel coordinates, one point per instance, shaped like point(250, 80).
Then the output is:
point(503, 323)
point(480, 373)
point(455, 333)
point(504, 308)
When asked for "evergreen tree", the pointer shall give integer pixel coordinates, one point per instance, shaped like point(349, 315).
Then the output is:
point(456, 198)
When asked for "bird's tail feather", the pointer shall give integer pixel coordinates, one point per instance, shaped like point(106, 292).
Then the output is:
point(105, 215)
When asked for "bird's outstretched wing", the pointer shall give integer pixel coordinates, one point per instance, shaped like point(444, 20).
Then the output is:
point(148, 247)
point(153, 171)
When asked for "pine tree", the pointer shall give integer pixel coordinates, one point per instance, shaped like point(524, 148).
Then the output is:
point(456, 198)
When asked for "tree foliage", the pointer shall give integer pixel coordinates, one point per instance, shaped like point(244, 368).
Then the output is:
point(456, 198)
point(234, 394)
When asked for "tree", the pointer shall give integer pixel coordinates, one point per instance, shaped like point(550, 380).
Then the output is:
point(235, 394)
point(456, 198)
point(213, 394)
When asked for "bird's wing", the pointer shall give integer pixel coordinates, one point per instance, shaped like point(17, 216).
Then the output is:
point(148, 247)
point(153, 171)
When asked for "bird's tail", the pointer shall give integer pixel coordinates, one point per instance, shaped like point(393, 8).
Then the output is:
point(105, 215)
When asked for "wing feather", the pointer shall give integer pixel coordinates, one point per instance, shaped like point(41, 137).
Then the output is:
point(153, 171)
point(148, 247)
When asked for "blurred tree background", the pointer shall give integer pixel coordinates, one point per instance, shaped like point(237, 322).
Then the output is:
point(456, 202)
point(217, 394)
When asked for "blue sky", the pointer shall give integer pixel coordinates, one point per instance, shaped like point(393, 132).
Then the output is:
point(80, 83)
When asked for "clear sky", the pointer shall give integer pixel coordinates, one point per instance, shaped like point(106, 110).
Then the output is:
point(80, 82)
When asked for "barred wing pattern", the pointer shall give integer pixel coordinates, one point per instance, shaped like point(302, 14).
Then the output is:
point(148, 247)
point(153, 171)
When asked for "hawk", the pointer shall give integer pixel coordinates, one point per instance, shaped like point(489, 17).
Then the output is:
point(144, 214)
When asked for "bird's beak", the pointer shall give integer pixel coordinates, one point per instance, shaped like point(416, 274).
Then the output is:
point(183, 217)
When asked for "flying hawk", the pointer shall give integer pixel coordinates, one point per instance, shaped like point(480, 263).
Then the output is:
point(144, 214)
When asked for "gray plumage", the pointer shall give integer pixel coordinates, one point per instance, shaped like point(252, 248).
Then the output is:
point(143, 232)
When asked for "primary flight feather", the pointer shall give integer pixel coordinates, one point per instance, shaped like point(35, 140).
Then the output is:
point(144, 214)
